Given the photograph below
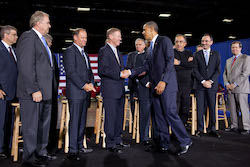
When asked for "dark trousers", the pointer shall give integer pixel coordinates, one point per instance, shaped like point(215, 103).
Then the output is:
point(165, 113)
point(183, 104)
point(78, 114)
point(208, 96)
point(114, 112)
point(144, 107)
point(35, 118)
point(7, 116)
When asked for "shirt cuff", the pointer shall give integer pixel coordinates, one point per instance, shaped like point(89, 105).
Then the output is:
point(211, 81)
point(203, 81)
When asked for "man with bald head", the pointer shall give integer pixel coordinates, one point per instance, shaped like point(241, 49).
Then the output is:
point(79, 84)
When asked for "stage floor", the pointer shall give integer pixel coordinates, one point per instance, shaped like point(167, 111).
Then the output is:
point(230, 150)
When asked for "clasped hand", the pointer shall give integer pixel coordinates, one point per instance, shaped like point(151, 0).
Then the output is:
point(88, 87)
point(230, 86)
point(207, 84)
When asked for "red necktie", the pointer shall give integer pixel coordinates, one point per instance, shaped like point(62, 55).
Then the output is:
point(233, 61)
point(12, 54)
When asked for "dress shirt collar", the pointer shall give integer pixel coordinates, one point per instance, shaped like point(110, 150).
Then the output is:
point(113, 48)
point(236, 55)
point(38, 33)
point(141, 52)
point(6, 45)
point(79, 48)
point(154, 39)
point(209, 50)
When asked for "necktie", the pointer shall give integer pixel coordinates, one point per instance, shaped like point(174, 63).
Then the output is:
point(117, 57)
point(233, 61)
point(206, 57)
point(48, 50)
point(12, 55)
point(86, 59)
point(151, 48)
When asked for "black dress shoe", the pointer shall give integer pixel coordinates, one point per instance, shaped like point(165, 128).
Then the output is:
point(245, 132)
point(85, 150)
point(3, 156)
point(214, 134)
point(74, 156)
point(124, 145)
point(147, 143)
point(198, 134)
point(231, 130)
point(163, 150)
point(47, 157)
point(184, 150)
point(36, 163)
point(115, 150)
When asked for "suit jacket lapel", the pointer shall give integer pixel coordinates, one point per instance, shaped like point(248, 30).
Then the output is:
point(237, 61)
point(41, 45)
point(111, 51)
point(80, 55)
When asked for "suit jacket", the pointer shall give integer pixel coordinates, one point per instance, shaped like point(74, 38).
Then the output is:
point(160, 65)
point(35, 72)
point(238, 74)
point(184, 70)
point(8, 73)
point(77, 73)
point(112, 85)
point(206, 72)
point(132, 85)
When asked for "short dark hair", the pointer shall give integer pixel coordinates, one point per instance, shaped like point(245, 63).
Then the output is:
point(236, 42)
point(6, 30)
point(207, 34)
point(77, 31)
point(181, 35)
point(153, 25)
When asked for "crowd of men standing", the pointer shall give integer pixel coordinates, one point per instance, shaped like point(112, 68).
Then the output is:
point(161, 77)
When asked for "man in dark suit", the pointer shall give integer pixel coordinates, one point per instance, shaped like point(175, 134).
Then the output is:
point(34, 89)
point(79, 84)
point(184, 63)
point(53, 133)
point(206, 72)
point(160, 66)
point(8, 79)
point(139, 89)
point(110, 69)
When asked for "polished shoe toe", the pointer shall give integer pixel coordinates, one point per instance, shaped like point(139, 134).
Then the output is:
point(115, 150)
point(48, 157)
point(74, 156)
point(245, 132)
point(184, 150)
point(124, 145)
point(231, 130)
point(214, 134)
point(85, 150)
point(198, 134)
point(3, 156)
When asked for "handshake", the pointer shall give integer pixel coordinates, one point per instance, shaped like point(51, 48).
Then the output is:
point(125, 74)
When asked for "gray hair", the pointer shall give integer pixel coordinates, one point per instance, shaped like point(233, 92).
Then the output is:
point(48, 37)
point(37, 17)
point(6, 30)
point(140, 39)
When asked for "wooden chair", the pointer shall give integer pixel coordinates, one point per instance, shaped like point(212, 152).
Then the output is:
point(136, 125)
point(127, 114)
point(64, 127)
point(100, 117)
point(17, 138)
point(193, 119)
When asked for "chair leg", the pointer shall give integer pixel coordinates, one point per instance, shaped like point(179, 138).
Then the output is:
point(61, 126)
point(138, 124)
point(66, 149)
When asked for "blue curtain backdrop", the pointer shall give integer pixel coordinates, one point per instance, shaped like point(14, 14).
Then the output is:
point(225, 52)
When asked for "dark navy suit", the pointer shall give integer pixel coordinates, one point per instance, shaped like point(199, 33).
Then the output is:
point(77, 75)
point(206, 72)
point(160, 66)
point(112, 89)
point(8, 79)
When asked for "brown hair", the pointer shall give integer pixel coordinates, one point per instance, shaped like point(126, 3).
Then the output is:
point(6, 30)
point(111, 31)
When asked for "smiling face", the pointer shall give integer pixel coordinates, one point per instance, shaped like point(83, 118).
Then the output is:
point(115, 38)
point(206, 41)
point(236, 49)
point(81, 38)
point(140, 46)
point(180, 43)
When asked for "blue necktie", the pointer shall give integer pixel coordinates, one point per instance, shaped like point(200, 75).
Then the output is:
point(206, 57)
point(47, 48)
point(86, 59)
point(151, 48)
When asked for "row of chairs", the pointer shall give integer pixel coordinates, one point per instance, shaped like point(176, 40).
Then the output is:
point(133, 123)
